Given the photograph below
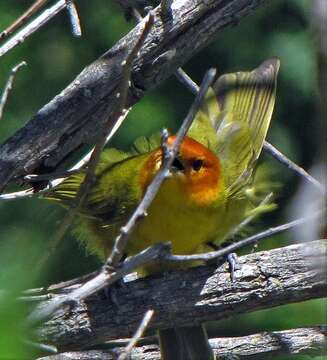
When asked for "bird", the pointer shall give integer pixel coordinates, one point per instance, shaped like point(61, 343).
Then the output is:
point(205, 196)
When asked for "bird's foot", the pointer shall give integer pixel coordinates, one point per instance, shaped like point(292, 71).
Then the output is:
point(110, 292)
point(233, 265)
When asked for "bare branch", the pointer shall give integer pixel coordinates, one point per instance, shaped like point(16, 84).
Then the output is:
point(74, 19)
point(8, 86)
point(125, 354)
point(187, 81)
point(44, 348)
point(97, 283)
point(302, 341)
point(264, 280)
point(55, 175)
point(32, 27)
point(85, 105)
point(292, 166)
point(23, 18)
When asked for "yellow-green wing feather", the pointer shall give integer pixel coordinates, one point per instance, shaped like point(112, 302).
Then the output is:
point(246, 100)
point(202, 128)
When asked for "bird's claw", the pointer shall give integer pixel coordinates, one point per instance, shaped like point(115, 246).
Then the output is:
point(110, 292)
point(233, 265)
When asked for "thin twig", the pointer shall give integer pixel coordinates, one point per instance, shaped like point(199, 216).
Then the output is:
point(269, 148)
point(8, 86)
point(153, 188)
point(33, 26)
point(187, 81)
point(136, 337)
point(103, 279)
point(23, 18)
point(85, 186)
point(248, 241)
point(136, 15)
point(74, 18)
point(51, 176)
point(41, 347)
point(33, 298)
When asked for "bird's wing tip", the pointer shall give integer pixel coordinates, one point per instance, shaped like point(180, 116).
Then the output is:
point(272, 64)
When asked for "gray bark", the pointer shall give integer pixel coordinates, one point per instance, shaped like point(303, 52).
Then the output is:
point(265, 279)
point(74, 117)
point(302, 341)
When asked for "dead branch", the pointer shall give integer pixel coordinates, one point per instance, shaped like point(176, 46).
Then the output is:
point(125, 354)
point(80, 292)
point(8, 86)
point(74, 18)
point(303, 341)
point(74, 117)
point(265, 279)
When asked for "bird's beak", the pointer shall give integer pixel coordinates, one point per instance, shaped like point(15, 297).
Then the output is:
point(177, 165)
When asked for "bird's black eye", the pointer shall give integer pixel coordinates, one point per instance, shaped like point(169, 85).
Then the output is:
point(197, 164)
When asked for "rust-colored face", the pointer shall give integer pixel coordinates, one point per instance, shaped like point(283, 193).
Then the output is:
point(195, 168)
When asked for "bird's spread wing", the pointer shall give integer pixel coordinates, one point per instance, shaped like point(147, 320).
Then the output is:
point(202, 128)
point(238, 111)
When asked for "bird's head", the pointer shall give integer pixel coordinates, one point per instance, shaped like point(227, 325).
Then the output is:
point(195, 172)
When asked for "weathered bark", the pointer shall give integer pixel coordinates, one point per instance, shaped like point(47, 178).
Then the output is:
point(74, 117)
point(266, 279)
point(302, 341)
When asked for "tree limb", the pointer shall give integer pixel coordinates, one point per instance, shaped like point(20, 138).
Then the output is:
point(266, 279)
point(267, 345)
point(74, 117)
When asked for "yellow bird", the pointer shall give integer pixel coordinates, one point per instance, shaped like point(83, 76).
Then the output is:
point(202, 200)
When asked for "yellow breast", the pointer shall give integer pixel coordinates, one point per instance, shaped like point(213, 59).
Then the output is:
point(174, 217)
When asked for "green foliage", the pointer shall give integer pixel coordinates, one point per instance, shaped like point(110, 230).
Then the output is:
point(54, 57)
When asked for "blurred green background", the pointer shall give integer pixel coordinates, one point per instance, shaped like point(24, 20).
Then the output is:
point(55, 57)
